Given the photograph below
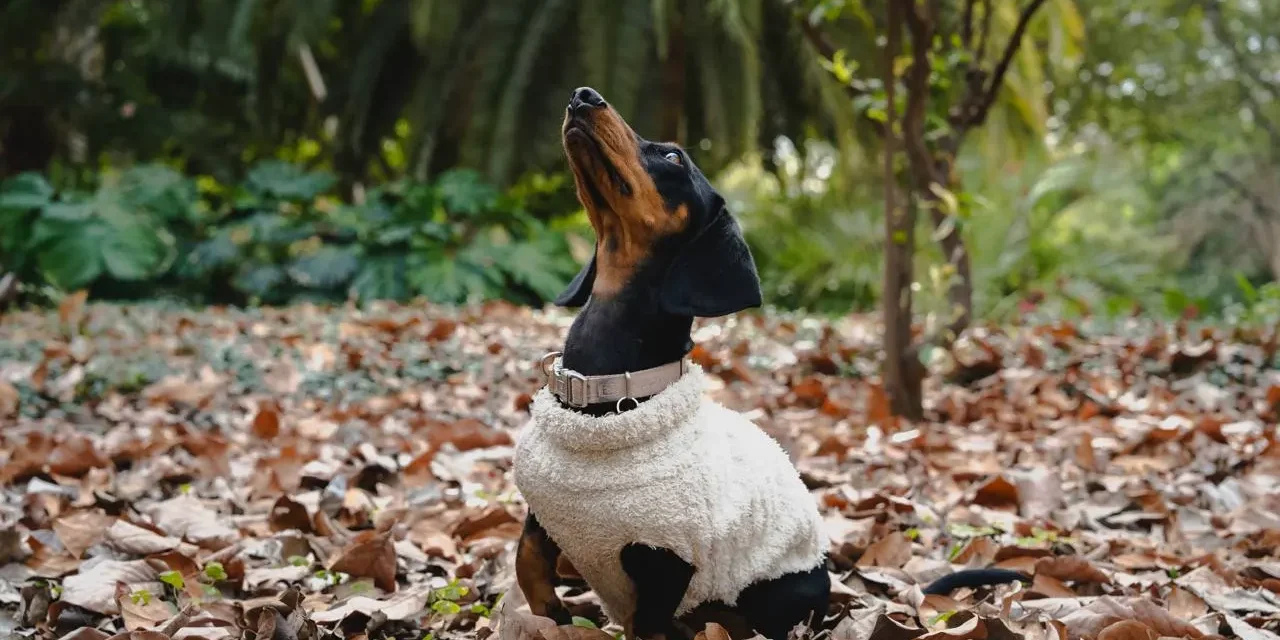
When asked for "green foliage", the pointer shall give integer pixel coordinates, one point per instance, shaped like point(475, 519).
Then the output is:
point(173, 579)
point(279, 236)
point(214, 571)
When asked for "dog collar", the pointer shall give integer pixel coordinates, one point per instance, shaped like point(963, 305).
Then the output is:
point(577, 390)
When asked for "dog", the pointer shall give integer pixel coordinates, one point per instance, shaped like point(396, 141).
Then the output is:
point(675, 510)
point(670, 505)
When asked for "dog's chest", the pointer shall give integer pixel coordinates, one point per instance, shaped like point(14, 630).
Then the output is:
point(716, 491)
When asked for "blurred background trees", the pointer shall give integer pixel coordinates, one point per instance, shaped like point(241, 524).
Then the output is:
point(275, 150)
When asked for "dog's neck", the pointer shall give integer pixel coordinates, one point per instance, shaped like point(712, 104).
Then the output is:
point(626, 331)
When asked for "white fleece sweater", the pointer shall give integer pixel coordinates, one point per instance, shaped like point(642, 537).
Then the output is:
point(680, 472)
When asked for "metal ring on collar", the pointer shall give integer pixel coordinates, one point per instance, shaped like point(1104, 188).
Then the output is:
point(634, 403)
point(546, 363)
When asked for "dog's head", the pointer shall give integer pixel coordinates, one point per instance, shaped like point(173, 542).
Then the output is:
point(654, 214)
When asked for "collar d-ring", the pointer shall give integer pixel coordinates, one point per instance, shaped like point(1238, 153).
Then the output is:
point(634, 403)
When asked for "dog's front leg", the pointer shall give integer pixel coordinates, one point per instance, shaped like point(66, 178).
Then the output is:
point(536, 572)
point(661, 579)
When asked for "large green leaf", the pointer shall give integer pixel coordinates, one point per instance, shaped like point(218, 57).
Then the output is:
point(24, 192)
point(133, 250)
point(326, 268)
point(158, 189)
point(70, 253)
point(287, 181)
point(465, 192)
point(381, 278)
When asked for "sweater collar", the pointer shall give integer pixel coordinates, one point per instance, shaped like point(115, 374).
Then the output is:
point(669, 409)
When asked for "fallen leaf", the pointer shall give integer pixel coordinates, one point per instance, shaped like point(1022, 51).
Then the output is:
point(187, 518)
point(1128, 630)
point(570, 632)
point(997, 492)
point(86, 633)
point(893, 551)
point(79, 531)
point(127, 537)
point(94, 587)
point(1071, 568)
point(373, 555)
point(266, 423)
point(1105, 611)
point(9, 400)
point(287, 514)
point(141, 610)
point(1246, 631)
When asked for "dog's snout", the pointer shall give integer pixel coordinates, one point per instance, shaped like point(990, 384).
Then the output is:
point(584, 99)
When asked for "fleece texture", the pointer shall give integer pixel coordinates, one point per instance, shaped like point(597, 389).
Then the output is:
point(680, 472)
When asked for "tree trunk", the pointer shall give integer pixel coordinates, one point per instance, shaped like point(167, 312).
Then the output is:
point(960, 290)
point(903, 374)
point(674, 77)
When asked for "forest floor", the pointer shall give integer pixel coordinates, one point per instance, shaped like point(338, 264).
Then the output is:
point(297, 473)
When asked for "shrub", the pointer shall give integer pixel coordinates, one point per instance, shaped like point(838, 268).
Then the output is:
point(281, 236)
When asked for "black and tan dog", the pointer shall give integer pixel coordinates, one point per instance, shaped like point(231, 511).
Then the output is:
point(667, 250)
point(671, 523)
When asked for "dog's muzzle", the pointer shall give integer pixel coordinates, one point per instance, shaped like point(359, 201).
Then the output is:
point(577, 390)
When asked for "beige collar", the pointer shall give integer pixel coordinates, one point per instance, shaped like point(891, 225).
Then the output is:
point(577, 390)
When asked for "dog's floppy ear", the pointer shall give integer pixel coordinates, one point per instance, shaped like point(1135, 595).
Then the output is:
point(580, 288)
point(714, 274)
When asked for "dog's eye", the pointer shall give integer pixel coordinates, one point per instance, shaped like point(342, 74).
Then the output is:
point(673, 157)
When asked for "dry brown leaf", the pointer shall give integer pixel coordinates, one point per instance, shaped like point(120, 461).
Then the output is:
point(128, 537)
point(1050, 587)
point(400, 606)
point(887, 628)
point(139, 634)
point(972, 629)
point(1246, 631)
point(71, 309)
point(997, 492)
point(143, 609)
point(1128, 630)
point(1186, 605)
point(266, 423)
point(570, 632)
point(86, 633)
point(1071, 568)
point(75, 456)
point(1105, 611)
point(713, 631)
point(978, 552)
point(1039, 492)
point(371, 555)
point(94, 587)
point(188, 518)
point(893, 551)
point(79, 531)
point(9, 400)
point(519, 625)
point(287, 514)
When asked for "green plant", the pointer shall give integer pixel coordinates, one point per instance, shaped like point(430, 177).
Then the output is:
point(281, 236)
point(120, 232)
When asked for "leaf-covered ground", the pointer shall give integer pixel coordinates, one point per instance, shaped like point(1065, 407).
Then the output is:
point(295, 474)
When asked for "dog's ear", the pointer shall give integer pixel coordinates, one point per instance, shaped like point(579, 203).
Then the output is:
point(714, 274)
point(579, 290)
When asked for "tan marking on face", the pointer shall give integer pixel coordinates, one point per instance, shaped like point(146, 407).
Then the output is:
point(627, 226)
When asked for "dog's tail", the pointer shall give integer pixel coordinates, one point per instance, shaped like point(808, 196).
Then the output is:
point(973, 578)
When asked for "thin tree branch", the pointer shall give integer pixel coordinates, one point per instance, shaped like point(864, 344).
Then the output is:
point(1261, 206)
point(825, 48)
point(966, 28)
point(1213, 10)
point(979, 113)
point(980, 53)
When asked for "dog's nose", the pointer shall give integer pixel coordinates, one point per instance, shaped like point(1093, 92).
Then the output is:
point(585, 99)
